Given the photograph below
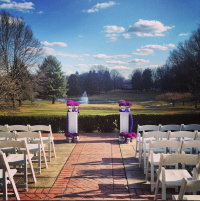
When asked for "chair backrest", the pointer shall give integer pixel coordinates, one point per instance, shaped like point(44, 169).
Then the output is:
point(155, 134)
point(29, 136)
point(188, 186)
point(12, 128)
point(170, 127)
point(165, 144)
point(42, 128)
point(147, 128)
point(179, 158)
point(3, 128)
point(14, 143)
point(191, 127)
point(190, 144)
point(182, 135)
point(7, 136)
point(197, 135)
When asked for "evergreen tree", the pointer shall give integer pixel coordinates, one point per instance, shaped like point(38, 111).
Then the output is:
point(74, 85)
point(147, 79)
point(91, 83)
point(51, 79)
point(107, 81)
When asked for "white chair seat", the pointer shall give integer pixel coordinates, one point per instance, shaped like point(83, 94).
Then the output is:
point(187, 197)
point(44, 139)
point(175, 176)
point(16, 158)
point(32, 147)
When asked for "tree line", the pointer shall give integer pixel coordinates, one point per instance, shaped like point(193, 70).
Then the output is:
point(22, 78)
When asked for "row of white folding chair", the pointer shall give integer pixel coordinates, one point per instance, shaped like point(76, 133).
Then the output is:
point(6, 177)
point(154, 158)
point(19, 160)
point(34, 128)
point(188, 186)
point(160, 127)
point(36, 149)
point(171, 178)
point(159, 135)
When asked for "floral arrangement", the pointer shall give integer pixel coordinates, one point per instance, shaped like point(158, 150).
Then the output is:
point(70, 103)
point(122, 103)
point(129, 104)
point(128, 135)
point(74, 137)
point(76, 104)
point(68, 135)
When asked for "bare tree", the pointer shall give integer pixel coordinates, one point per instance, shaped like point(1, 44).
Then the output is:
point(19, 53)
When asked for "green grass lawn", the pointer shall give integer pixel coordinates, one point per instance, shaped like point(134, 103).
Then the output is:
point(142, 104)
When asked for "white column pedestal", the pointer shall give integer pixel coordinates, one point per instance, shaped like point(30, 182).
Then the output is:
point(124, 122)
point(72, 122)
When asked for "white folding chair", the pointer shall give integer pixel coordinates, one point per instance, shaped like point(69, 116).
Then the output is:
point(6, 177)
point(36, 149)
point(154, 158)
point(171, 178)
point(188, 186)
point(170, 127)
point(49, 139)
point(190, 127)
point(146, 138)
point(181, 135)
point(19, 160)
point(140, 129)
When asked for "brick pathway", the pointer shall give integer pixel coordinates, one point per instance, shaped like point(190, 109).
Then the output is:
point(94, 171)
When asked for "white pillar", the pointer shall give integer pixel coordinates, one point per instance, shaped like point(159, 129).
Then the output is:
point(124, 122)
point(72, 122)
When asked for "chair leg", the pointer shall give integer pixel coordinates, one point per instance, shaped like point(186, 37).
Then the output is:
point(5, 190)
point(136, 148)
point(156, 190)
point(44, 155)
point(163, 191)
point(54, 150)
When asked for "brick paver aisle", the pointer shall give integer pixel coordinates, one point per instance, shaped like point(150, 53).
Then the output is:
point(93, 171)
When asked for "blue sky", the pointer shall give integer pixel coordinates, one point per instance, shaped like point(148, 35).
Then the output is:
point(118, 34)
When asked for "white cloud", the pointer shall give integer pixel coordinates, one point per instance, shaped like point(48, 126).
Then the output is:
point(126, 35)
point(51, 51)
point(61, 44)
point(148, 49)
point(121, 67)
point(148, 28)
point(18, 6)
point(138, 61)
point(143, 52)
point(100, 6)
point(116, 62)
point(40, 12)
point(112, 37)
point(113, 32)
point(183, 34)
point(104, 56)
point(113, 29)
point(82, 65)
